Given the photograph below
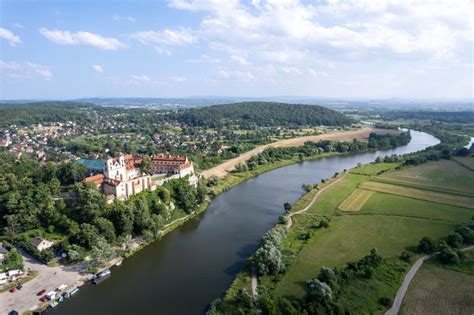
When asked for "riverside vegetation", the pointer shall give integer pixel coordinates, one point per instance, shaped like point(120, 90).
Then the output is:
point(339, 260)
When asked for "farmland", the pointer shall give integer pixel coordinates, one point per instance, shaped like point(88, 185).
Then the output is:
point(438, 290)
point(374, 206)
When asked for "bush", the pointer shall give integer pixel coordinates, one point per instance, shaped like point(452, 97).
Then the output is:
point(427, 246)
point(385, 301)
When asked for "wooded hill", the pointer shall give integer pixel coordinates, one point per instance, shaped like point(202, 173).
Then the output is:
point(251, 114)
point(26, 114)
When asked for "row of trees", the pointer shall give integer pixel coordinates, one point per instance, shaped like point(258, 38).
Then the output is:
point(310, 149)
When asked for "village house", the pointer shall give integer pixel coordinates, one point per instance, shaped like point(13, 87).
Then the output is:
point(41, 244)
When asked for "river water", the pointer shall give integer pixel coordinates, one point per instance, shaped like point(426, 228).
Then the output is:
point(191, 266)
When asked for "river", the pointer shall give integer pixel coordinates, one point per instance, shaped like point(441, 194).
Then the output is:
point(191, 266)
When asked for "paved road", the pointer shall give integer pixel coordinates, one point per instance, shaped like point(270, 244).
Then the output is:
point(48, 278)
point(223, 169)
point(397, 303)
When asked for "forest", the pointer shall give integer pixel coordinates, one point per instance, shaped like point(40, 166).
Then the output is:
point(250, 114)
point(27, 114)
point(449, 117)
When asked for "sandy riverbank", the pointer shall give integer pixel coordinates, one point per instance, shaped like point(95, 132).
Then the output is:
point(223, 169)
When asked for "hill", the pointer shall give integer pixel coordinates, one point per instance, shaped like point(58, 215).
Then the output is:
point(248, 114)
point(26, 114)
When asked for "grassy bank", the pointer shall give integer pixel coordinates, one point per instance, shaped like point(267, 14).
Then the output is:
point(391, 223)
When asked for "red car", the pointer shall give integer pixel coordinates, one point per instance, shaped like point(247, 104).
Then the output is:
point(12, 290)
point(44, 299)
point(41, 292)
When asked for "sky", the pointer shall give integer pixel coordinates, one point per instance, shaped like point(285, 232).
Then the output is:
point(257, 48)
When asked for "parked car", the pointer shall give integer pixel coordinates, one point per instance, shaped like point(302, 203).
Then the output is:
point(44, 299)
point(40, 293)
point(12, 290)
point(19, 287)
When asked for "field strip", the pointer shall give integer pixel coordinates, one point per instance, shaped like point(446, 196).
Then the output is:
point(416, 217)
point(460, 201)
point(356, 200)
point(463, 163)
point(409, 184)
point(397, 303)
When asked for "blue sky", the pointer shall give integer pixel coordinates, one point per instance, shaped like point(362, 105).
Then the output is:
point(177, 48)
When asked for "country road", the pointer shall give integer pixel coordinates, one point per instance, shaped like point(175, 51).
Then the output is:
point(397, 303)
point(224, 168)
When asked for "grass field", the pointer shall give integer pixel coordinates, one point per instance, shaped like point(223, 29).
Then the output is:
point(373, 206)
point(380, 203)
point(420, 194)
point(436, 290)
point(373, 169)
point(467, 161)
point(442, 173)
point(356, 200)
point(349, 238)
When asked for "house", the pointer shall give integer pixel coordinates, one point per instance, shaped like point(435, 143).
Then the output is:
point(172, 165)
point(41, 244)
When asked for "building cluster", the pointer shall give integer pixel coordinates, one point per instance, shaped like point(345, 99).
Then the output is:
point(34, 140)
point(122, 176)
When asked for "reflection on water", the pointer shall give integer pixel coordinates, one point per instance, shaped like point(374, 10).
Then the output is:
point(195, 263)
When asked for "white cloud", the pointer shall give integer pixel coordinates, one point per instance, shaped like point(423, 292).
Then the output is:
point(178, 79)
point(179, 37)
point(11, 38)
point(410, 28)
point(163, 51)
point(25, 70)
point(81, 38)
point(18, 25)
point(239, 59)
point(225, 74)
point(98, 68)
point(117, 17)
point(142, 78)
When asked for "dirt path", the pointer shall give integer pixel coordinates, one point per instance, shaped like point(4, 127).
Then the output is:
point(397, 303)
point(223, 169)
point(290, 223)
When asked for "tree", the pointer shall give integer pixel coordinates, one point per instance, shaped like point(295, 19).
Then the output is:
point(307, 187)
point(201, 192)
point(454, 240)
point(102, 252)
point(145, 165)
point(328, 276)
point(301, 157)
point(12, 260)
point(427, 246)
point(105, 228)
point(287, 206)
point(448, 256)
point(319, 291)
point(164, 195)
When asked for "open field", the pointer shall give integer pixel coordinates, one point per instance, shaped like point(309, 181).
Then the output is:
point(420, 194)
point(380, 203)
point(373, 169)
point(223, 169)
point(467, 161)
point(356, 200)
point(443, 173)
point(351, 237)
point(436, 290)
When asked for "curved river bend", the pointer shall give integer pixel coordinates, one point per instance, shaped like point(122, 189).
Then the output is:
point(191, 266)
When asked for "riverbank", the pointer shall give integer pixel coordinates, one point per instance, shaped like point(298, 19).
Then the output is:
point(228, 166)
